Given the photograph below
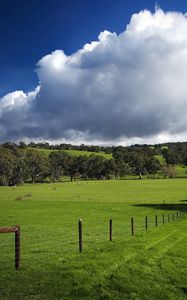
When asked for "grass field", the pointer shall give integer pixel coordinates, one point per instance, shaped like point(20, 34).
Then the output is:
point(149, 265)
point(181, 170)
point(75, 152)
point(161, 159)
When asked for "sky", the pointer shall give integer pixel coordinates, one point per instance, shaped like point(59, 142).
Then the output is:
point(97, 72)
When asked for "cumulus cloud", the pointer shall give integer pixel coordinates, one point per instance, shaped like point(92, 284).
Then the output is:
point(126, 87)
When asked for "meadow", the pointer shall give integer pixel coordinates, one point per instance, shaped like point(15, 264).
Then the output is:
point(151, 264)
point(74, 152)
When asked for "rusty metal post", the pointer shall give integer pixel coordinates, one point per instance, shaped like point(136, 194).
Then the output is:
point(146, 223)
point(80, 235)
point(110, 230)
point(156, 221)
point(17, 248)
point(132, 226)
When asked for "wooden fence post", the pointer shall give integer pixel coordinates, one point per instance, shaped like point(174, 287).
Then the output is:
point(80, 235)
point(132, 226)
point(17, 248)
point(163, 219)
point(146, 223)
point(110, 230)
point(156, 221)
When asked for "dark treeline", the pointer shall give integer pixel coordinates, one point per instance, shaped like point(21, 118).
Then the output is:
point(24, 163)
point(19, 164)
point(176, 154)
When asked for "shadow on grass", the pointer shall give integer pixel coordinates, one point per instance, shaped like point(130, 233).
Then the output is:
point(166, 206)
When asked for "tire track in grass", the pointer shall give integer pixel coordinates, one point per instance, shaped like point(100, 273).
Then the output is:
point(161, 252)
point(160, 240)
point(169, 241)
point(151, 248)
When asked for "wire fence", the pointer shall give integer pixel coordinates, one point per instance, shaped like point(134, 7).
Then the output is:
point(43, 247)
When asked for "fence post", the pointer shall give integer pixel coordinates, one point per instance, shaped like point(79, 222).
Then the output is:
point(110, 230)
point(146, 223)
point(156, 221)
point(132, 226)
point(17, 248)
point(168, 218)
point(80, 235)
point(163, 219)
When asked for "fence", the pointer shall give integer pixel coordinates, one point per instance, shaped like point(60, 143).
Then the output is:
point(112, 233)
point(132, 227)
point(16, 230)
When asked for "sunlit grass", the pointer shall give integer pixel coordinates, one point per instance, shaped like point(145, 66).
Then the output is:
point(149, 265)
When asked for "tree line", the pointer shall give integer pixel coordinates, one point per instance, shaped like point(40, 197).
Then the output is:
point(19, 164)
point(176, 154)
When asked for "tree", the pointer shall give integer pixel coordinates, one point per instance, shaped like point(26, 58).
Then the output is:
point(152, 165)
point(6, 166)
point(170, 156)
point(37, 165)
point(137, 163)
point(59, 164)
point(22, 145)
point(19, 173)
point(111, 168)
point(168, 171)
point(81, 164)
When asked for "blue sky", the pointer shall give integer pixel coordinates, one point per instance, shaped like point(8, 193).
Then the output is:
point(30, 29)
point(99, 72)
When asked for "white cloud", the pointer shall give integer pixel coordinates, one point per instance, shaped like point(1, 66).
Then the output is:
point(122, 88)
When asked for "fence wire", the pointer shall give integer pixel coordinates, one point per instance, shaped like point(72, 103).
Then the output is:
point(54, 243)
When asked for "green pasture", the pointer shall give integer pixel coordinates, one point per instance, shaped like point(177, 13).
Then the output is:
point(151, 264)
point(75, 152)
point(161, 159)
point(181, 170)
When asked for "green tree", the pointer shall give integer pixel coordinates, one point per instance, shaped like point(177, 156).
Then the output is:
point(59, 164)
point(37, 165)
point(6, 166)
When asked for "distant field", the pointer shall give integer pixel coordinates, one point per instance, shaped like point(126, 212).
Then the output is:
point(181, 170)
point(161, 159)
point(150, 265)
point(75, 152)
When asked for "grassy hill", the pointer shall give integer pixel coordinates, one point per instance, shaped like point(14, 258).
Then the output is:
point(75, 152)
point(180, 170)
